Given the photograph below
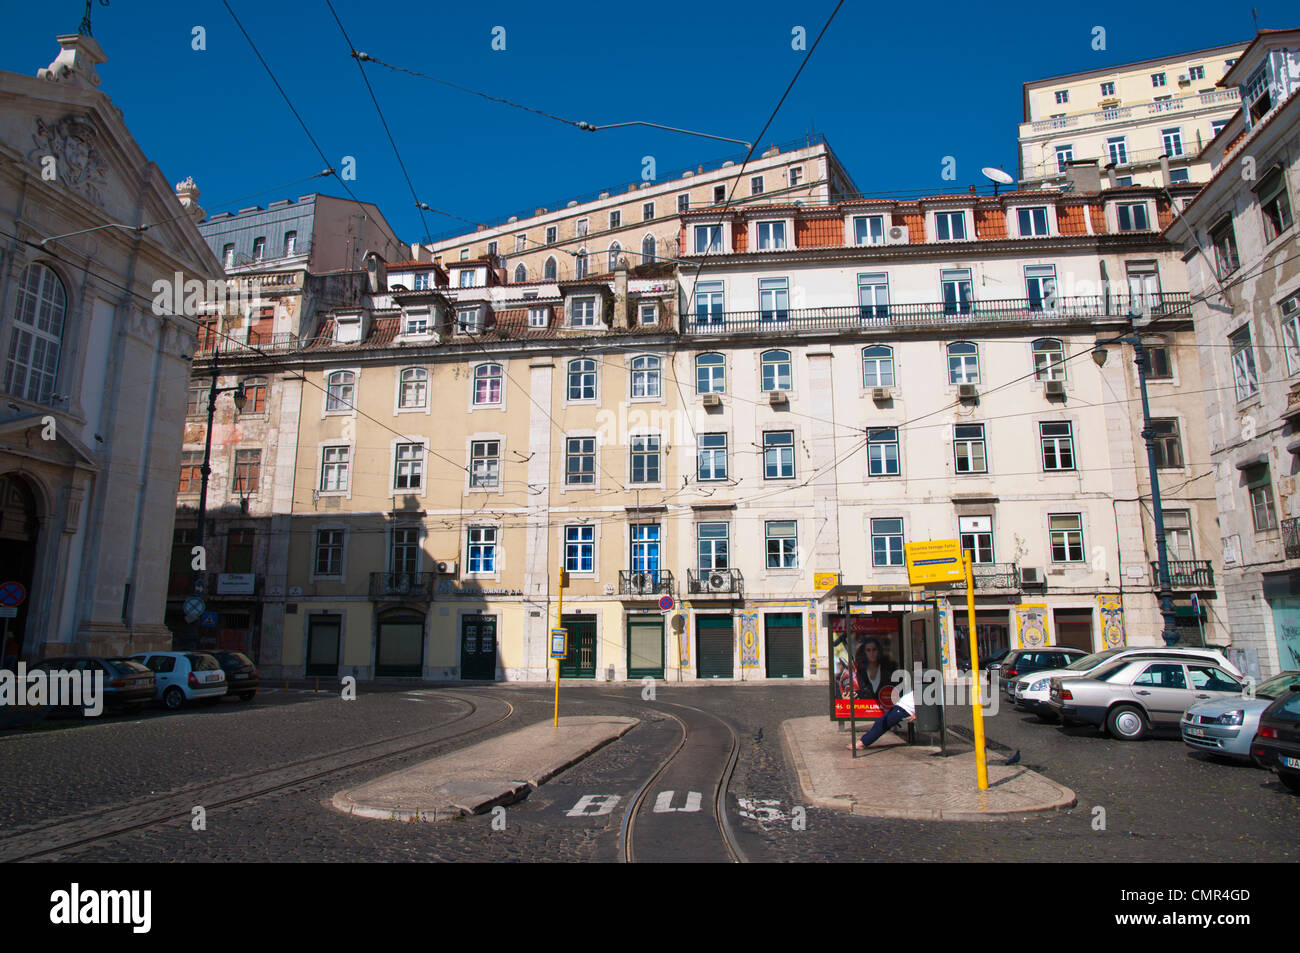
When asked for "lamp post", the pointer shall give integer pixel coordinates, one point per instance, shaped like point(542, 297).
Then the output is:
point(1140, 358)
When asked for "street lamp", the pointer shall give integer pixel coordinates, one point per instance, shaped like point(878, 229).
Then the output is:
point(1140, 358)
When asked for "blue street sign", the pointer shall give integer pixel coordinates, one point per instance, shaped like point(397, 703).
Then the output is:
point(200, 584)
point(1196, 605)
point(209, 620)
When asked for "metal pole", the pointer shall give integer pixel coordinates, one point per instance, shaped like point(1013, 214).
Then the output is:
point(977, 712)
point(1166, 595)
point(205, 471)
point(559, 624)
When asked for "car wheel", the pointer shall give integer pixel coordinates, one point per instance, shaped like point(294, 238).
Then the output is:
point(1126, 723)
point(1291, 780)
point(247, 696)
point(173, 698)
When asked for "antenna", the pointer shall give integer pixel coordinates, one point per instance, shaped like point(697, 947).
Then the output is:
point(997, 177)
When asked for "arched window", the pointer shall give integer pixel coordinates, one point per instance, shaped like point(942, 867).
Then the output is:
point(777, 374)
point(37, 336)
point(340, 390)
point(582, 379)
point(1049, 360)
point(487, 384)
point(580, 265)
point(645, 376)
point(647, 249)
point(963, 363)
point(710, 374)
point(615, 249)
point(878, 366)
point(414, 388)
point(549, 272)
point(254, 395)
point(521, 273)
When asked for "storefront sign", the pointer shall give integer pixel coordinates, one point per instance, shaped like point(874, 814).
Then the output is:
point(825, 581)
point(236, 583)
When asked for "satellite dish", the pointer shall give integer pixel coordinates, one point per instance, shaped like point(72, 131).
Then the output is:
point(997, 177)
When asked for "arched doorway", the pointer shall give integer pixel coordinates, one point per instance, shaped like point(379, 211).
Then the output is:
point(19, 526)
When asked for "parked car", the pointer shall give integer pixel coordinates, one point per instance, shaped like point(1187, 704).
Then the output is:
point(241, 673)
point(1227, 726)
point(1131, 696)
point(128, 685)
point(1277, 745)
point(1020, 662)
point(180, 677)
point(994, 662)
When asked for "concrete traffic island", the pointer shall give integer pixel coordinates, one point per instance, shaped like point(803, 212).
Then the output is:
point(476, 779)
point(894, 779)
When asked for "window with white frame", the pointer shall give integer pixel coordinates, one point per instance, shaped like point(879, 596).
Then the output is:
point(1157, 79)
point(708, 238)
point(1172, 139)
point(1056, 438)
point(340, 389)
point(868, 229)
point(1064, 156)
point(887, 542)
point(644, 464)
point(1290, 308)
point(416, 322)
point(1032, 221)
point(582, 312)
point(647, 249)
point(464, 254)
point(873, 296)
point(487, 384)
point(37, 335)
point(1196, 72)
point(648, 312)
point(684, 202)
point(1049, 359)
point(712, 545)
point(1062, 95)
point(615, 219)
point(771, 235)
point(421, 281)
point(710, 374)
point(550, 270)
point(521, 273)
point(1178, 535)
point(582, 379)
point(968, 449)
point(1244, 376)
point(774, 299)
point(647, 211)
point(950, 226)
point(776, 371)
point(1132, 216)
point(645, 548)
point(956, 289)
point(466, 278)
point(580, 548)
point(469, 320)
point(1181, 175)
point(1275, 204)
point(329, 552)
point(782, 544)
point(1108, 89)
point(645, 376)
point(1224, 240)
point(1256, 95)
point(976, 535)
point(484, 464)
point(481, 548)
point(259, 249)
point(756, 185)
point(1117, 150)
point(796, 175)
point(963, 363)
point(1066, 533)
point(1040, 287)
point(335, 468)
point(580, 461)
point(228, 256)
point(580, 226)
point(408, 468)
point(778, 455)
point(1259, 485)
point(414, 388)
point(882, 451)
point(709, 303)
point(406, 549)
point(538, 317)
point(878, 366)
point(711, 455)
point(1143, 285)
point(580, 264)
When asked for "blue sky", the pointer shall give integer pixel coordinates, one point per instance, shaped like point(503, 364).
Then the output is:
point(894, 87)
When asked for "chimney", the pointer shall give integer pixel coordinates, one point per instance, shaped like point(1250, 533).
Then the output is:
point(620, 293)
point(1164, 169)
point(1110, 176)
point(1083, 175)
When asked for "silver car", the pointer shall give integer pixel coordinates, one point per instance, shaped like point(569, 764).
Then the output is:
point(1227, 726)
point(1132, 696)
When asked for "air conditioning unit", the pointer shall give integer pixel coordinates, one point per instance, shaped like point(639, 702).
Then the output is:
point(880, 393)
point(777, 397)
point(717, 582)
point(641, 581)
point(1054, 389)
point(446, 568)
point(712, 400)
point(967, 392)
point(1032, 576)
point(1184, 78)
point(897, 235)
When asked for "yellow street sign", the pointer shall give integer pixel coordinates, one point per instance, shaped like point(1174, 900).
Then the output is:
point(935, 560)
point(825, 581)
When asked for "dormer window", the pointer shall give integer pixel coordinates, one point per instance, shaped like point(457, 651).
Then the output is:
point(1032, 221)
point(708, 238)
point(422, 282)
point(582, 312)
point(1132, 216)
point(538, 317)
point(259, 249)
point(868, 229)
point(416, 322)
point(469, 320)
point(347, 329)
point(771, 235)
point(290, 244)
point(466, 278)
point(1256, 94)
point(950, 226)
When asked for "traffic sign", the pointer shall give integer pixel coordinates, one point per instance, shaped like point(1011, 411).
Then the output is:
point(935, 560)
point(209, 620)
point(559, 643)
point(194, 607)
point(8, 612)
point(12, 593)
point(200, 584)
point(666, 603)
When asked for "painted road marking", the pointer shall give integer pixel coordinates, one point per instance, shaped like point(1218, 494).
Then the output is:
point(663, 803)
point(761, 809)
point(593, 805)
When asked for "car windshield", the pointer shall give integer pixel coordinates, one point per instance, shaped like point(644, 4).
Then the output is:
point(1277, 685)
point(1108, 672)
point(125, 666)
point(239, 658)
point(1093, 660)
point(202, 663)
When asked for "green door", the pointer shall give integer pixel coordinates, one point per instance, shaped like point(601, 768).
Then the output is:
point(715, 642)
point(645, 647)
point(478, 647)
point(783, 644)
point(580, 662)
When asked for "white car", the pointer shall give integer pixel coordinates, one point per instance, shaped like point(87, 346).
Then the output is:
point(181, 677)
point(1030, 692)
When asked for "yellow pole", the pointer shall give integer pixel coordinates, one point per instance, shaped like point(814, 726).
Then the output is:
point(977, 712)
point(559, 624)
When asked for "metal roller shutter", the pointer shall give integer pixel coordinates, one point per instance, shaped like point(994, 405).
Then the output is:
point(645, 648)
point(783, 645)
point(717, 646)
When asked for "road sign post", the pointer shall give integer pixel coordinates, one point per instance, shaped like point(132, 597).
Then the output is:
point(559, 622)
point(977, 712)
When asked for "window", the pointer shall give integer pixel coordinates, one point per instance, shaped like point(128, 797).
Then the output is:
point(1132, 216)
point(191, 471)
point(711, 454)
point(963, 363)
point(1224, 240)
point(1049, 359)
point(950, 226)
point(580, 264)
point(421, 281)
point(227, 256)
point(968, 448)
point(878, 366)
point(710, 374)
point(708, 238)
point(1157, 79)
point(648, 313)
point(647, 249)
point(1216, 126)
point(1066, 532)
point(873, 296)
point(1173, 141)
point(521, 273)
point(482, 549)
point(615, 219)
point(719, 194)
point(334, 469)
point(1256, 95)
point(615, 249)
point(887, 542)
point(37, 335)
point(464, 254)
point(1160, 369)
point(582, 379)
point(408, 468)
point(1124, 180)
point(1062, 95)
point(549, 270)
point(1057, 440)
point(796, 175)
point(1032, 221)
point(882, 451)
point(645, 376)
point(197, 400)
point(1040, 286)
point(248, 471)
point(774, 299)
point(492, 248)
point(1290, 309)
point(1108, 89)
point(776, 371)
point(955, 285)
point(645, 548)
point(552, 234)
point(1143, 285)
point(1168, 445)
point(406, 549)
point(1178, 534)
point(259, 249)
point(645, 459)
point(1180, 175)
point(782, 544)
point(647, 211)
point(976, 535)
point(239, 550)
point(1064, 156)
point(340, 390)
point(580, 227)
point(1260, 488)
point(778, 455)
point(771, 235)
point(1196, 72)
point(329, 552)
point(684, 202)
point(1275, 204)
point(487, 384)
point(484, 463)
point(709, 303)
point(868, 229)
point(254, 396)
point(580, 548)
point(414, 388)
point(1243, 363)
point(712, 540)
point(580, 461)
point(582, 312)
point(469, 320)
point(756, 185)
point(1117, 149)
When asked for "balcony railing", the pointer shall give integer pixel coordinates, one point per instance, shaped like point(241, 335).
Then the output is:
point(1187, 573)
point(1291, 537)
point(1213, 97)
point(402, 585)
point(715, 582)
point(1083, 308)
point(996, 575)
point(645, 582)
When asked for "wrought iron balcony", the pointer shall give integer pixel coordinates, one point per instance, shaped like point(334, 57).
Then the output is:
point(996, 575)
point(402, 585)
point(645, 582)
point(718, 582)
point(1291, 537)
point(1030, 311)
point(1187, 573)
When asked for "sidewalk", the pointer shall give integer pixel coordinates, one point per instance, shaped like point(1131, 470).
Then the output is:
point(472, 780)
point(894, 779)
